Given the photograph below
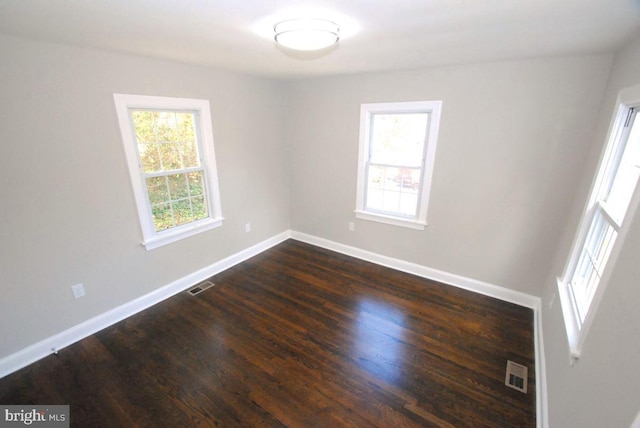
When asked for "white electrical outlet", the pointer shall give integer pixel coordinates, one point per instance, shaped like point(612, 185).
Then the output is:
point(352, 226)
point(78, 290)
point(247, 227)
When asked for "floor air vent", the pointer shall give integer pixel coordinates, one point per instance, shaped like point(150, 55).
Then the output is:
point(516, 376)
point(201, 287)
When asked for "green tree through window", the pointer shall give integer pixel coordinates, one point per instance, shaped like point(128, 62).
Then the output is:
point(168, 150)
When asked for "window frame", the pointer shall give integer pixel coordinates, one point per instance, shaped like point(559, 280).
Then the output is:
point(367, 111)
point(577, 324)
point(124, 103)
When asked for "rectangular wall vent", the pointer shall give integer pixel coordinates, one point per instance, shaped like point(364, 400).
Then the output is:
point(201, 287)
point(516, 376)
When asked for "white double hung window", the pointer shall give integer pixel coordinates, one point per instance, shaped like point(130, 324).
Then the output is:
point(602, 226)
point(169, 148)
point(395, 163)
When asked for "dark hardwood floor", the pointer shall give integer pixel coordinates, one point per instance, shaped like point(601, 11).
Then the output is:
point(303, 337)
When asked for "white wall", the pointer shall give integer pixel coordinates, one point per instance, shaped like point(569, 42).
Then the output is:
point(68, 213)
point(602, 388)
point(513, 139)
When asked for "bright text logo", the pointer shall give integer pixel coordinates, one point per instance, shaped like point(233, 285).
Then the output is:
point(38, 416)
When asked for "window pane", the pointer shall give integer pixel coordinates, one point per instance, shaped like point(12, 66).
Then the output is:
point(178, 186)
point(166, 140)
point(199, 205)
point(177, 199)
point(392, 178)
point(375, 177)
point(394, 191)
point(157, 190)
point(196, 183)
point(398, 139)
point(166, 126)
point(626, 177)
point(170, 156)
point(187, 202)
point(408, 179)
point(189, 153)
point(374, 199)
point(162, 217)
point(409, 204)
point(182, 212)
point(187, 138)
point(593, 258)
point(186, 126)
point(391, 201)
point(150, 157)
point(143, 124)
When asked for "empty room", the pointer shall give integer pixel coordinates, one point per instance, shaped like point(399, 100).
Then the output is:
point(320, 213)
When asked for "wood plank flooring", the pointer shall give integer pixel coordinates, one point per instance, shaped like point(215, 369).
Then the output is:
point(297, 336)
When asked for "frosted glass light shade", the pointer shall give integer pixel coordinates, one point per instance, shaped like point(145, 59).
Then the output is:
point(306, 34)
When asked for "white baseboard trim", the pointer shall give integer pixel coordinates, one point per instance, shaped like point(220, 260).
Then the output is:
point(542, 405)
point(476, 286)
point(37, 351)
point(485, 288)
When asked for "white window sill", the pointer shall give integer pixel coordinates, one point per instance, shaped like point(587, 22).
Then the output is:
point(573, 326)
point(176, 234)
point(396, 221)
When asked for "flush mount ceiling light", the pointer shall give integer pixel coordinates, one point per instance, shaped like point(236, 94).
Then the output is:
point(306, 34)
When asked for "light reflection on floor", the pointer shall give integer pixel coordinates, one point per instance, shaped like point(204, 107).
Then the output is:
point(379, 342)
